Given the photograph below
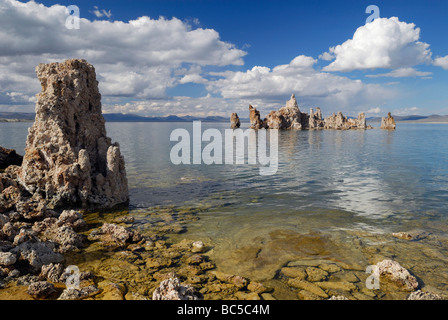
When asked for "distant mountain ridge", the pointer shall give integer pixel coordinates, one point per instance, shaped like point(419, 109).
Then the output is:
point(128, 117)
point(121, 117)
point(415, 118)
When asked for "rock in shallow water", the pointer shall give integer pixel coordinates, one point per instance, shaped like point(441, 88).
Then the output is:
point(41, 290)
point(68, 158)
point(171, 289)
point(413, 235)
point(396, 273)
point(78, 294)
point(421, 295)
point(234, 121)
point(388, 123)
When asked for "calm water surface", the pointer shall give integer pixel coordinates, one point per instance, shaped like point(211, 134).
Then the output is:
point(339, 185)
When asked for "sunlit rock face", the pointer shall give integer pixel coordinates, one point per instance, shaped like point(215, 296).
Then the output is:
point(234, 121)
point(315, 120)
point(255, 119)
point(388, 122)
point(339, 121)
point(287, 117)
point(69, 160)
point(290, 117)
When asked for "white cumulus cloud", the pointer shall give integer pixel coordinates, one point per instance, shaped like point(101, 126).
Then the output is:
point(441, 62)
point(136, 59)
point(401, 73)
point(384, 43)
point(99, 13)
point(311, 87)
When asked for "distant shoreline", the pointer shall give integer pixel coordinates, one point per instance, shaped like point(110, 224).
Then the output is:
point(12, 117)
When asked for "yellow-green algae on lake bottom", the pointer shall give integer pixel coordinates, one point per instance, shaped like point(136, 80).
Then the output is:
point(249, 263)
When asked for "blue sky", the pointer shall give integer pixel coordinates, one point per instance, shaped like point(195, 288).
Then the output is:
point(209, 57)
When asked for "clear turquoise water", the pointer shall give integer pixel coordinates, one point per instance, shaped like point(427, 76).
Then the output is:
point(339, 184)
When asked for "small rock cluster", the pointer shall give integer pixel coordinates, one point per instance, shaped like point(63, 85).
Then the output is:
point(290, 117)
point(320, 279)
point(388, 122)
point(30, 248)
point(234, 121)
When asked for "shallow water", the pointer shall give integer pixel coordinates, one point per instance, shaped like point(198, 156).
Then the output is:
point(337, 195)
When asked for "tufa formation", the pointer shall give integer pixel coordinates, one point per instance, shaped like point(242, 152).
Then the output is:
point(388, 123)
point(290, 117)
point(69, 160)
point(234, 121)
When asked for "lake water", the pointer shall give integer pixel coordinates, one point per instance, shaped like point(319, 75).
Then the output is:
point(337, 195)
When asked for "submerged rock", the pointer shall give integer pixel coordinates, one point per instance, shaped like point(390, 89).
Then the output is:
point(110, 234)
point(68, 157)
point(388, 123)
point(79, 294)
point(338, 298)
point(234, 121)
point(396, 273)
point(421, 295)
point(413, 235)
point(171, 289)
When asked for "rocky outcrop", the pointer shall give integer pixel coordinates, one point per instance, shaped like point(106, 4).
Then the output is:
point(291, 114)
point(290, 117)
point(171, 289)
point(9, 157)
point(340, 122)
point(114, 235)
point(287, 117)
point(396, 273)
point(315, 119)
point(234, 121)
point(255, 119)
point(421, 295)
point(388, 122)
point(69, 160)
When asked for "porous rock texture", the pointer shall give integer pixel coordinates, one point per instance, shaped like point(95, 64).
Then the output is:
point(234, 121)
point(339, 121)
point(69, 163)
point(69, 160)
point(255, 119)
point(290, 117)
point(171, 289)
point(388, 122)
point(287, 117)
point(396, 273)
